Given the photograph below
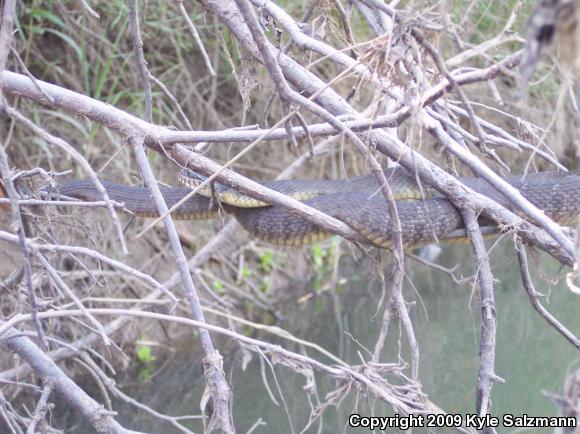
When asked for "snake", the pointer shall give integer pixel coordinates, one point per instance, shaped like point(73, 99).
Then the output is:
point(425, 215)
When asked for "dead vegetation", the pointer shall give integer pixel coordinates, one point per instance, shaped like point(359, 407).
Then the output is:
point(305, 90)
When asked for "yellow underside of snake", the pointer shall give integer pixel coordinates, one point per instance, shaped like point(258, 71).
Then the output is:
point(425, 216)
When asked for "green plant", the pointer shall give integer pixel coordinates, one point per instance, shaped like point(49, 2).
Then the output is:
point(265, 286)
point(218, 287)
point(267, 261)
point(146, 362)
point(323, 260)
point(144, 354)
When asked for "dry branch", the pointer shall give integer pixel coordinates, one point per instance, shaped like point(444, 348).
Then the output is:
point(101, 420)
point(127, 125)
point(411, 81)
point(300, 78)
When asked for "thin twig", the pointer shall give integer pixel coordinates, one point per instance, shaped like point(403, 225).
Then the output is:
point(18, 226)
point(169, 95)
point(534, 297)
point(6, 27)
point(42, 406)
point(140, 57)
point(365, 376)
point(70, 294)
point(81, 161)
point(101, 420)
point(196, 38)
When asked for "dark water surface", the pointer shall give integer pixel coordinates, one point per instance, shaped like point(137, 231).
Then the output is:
point(531, 356)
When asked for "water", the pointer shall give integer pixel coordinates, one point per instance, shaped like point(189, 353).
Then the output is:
point(531, 356)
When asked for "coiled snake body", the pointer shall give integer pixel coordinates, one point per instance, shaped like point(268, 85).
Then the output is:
point(355, 201)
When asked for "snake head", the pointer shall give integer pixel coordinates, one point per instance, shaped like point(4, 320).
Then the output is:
point(191, 178)
point(216, 190)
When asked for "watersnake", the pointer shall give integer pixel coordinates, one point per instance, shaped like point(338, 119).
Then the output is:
point(425, 215)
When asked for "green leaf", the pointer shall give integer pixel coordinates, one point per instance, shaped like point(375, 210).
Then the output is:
point(218, 287)
point(144, 354)
point(70, 41)
point(42, 13)
point(246, 272)
point(318, 255)
point(267, 261)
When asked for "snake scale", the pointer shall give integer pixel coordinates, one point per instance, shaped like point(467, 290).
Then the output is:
point(425, 215)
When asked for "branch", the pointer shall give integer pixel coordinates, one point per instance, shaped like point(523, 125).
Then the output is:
point(507, 190)
point(141, 62)
point(101, 420)
point(125, 125)
point(81, 161)
point(394, 148)
point(488, 322)
point(366, 375)
point(287, 93)
point(6, 27)
point(18, 225)
point(534, 296)
point(222, 241)
point(42, 406)
point(196, 38)
point(219, 389)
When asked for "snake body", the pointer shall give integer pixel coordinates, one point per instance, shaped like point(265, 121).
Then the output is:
point(354, 201)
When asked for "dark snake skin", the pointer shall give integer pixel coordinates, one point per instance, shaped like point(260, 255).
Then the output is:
point(354, 201)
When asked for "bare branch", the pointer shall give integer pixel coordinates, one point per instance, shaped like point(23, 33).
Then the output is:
point(140, 57)
point(196, 38)
point(534, 297)
point(82, 162)
point(101, 420)
point(42, 406)
point(18, 223)
point(220, 390)
point(488, 323)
